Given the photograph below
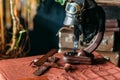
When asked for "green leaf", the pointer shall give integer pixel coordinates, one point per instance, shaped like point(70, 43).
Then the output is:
point(62, 2)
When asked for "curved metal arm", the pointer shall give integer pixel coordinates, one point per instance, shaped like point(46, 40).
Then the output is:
point(95, 43)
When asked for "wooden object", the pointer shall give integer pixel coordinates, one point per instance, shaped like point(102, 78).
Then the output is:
point(43, 59)
point(107, 44)
point(77, 59)
point(43, 68)
point(67, 67)
point(2, 38)
point(109, 2)
point(8, 21)
point(111, 25)
point(66, 41)
point(66, 38)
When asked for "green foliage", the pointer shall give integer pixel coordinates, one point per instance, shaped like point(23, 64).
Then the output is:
point(39, 2)
point(62, 2)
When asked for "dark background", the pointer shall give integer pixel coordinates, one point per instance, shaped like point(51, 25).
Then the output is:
point(49, 19)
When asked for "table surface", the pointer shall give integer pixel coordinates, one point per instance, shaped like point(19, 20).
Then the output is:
point(19, 69)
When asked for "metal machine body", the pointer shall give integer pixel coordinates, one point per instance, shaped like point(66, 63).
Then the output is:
point(88, 20)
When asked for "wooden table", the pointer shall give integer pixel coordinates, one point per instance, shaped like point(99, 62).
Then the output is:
point(19, 69)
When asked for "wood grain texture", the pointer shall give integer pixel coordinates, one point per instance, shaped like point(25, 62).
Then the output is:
point(109, 2)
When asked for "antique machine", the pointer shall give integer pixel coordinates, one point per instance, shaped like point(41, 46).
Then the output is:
point(88, 20)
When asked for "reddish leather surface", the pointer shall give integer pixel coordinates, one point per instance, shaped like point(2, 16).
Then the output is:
point(35, 78)
point(19, 69)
